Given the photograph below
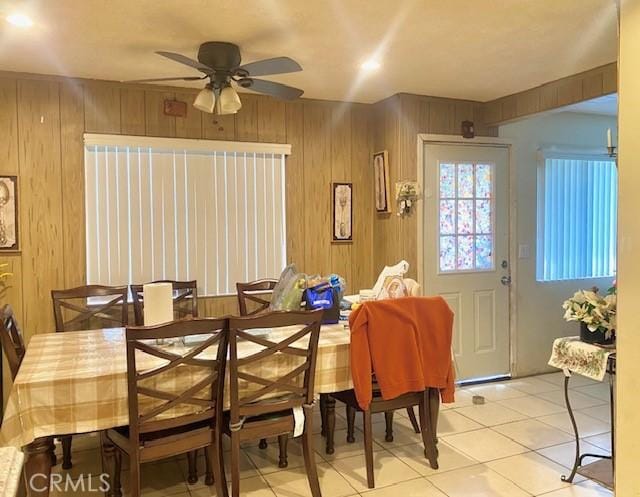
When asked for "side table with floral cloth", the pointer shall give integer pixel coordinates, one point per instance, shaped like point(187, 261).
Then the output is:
point(574, 356)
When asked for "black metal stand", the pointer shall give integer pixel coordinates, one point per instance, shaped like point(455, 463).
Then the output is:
point(601, 471)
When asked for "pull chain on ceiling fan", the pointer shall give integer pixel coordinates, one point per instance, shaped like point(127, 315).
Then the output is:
point(220, 64)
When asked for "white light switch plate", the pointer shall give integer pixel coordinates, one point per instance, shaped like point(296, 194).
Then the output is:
point(523, 251)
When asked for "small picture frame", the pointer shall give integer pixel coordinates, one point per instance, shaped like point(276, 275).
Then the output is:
point(342, 227)
point(9, 214)
point(381, 182)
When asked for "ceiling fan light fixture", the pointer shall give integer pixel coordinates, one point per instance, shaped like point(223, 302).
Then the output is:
point(370, 65)
point(206, 100)
point(19, 19)
point(229, 101)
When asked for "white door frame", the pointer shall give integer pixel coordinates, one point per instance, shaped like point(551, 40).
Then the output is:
point(427, 139)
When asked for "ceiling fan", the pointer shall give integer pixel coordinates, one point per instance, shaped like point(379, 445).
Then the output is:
point(220, 63)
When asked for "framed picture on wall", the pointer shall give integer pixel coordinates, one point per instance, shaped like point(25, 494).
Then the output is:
point(8, 213)
point(381, 182)
point(342, 212)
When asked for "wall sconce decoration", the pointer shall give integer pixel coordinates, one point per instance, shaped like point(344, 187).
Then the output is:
point(406, 196)
point(467, 129)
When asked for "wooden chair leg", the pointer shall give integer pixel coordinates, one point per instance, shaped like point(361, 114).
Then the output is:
point(368, 447)
point(283, 440)
point(425, 428)
point(235, 464)
point(66, 452)
point(351, 424)
point(434, 412)
point(309, 455)
point(412, 417)
point(263, 443)
point(388, 419)
point(209, 478)
point(192, 472)
point(218, 466)
point(134, 475)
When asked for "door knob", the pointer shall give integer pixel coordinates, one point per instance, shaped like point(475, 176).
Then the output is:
point(505, 280)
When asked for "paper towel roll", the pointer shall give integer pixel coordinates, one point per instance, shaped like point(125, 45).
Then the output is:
point(158, 303)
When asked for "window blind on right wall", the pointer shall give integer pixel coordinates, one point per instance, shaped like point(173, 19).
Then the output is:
point(577, 218)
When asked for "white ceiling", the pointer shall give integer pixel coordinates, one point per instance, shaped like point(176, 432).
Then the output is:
point(478, 50)
point(606, 105)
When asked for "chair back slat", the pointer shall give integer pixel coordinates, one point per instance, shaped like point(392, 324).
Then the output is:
point(254, 297)
point(287, 378)
point(185, 300)
point(73, 311)
point(179, 384)
point(11, 339)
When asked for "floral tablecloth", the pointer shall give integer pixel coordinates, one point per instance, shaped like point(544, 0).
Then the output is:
point(586, 359)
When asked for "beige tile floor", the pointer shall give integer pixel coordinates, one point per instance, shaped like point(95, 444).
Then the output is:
point(517, 444)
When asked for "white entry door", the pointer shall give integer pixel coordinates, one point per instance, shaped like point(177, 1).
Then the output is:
point(466, 244)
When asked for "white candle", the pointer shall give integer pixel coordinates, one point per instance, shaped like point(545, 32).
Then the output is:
point(609, 138)
point(158, 303)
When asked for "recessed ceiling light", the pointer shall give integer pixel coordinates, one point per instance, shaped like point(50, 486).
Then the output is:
point(370, 65)
point(20, 20)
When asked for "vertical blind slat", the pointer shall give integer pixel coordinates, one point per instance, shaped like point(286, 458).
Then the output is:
point(577, 219)
point(217, 217)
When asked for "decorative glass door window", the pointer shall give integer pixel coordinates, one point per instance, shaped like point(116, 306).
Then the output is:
point(466, 217)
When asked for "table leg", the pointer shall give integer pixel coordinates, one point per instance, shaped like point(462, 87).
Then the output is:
point(323, 414)
point(330, 404)
point(37, 466)
point(111, 465)
point(612, 393)
point(576, 461)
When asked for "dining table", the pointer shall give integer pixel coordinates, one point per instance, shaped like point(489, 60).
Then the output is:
point(76, 382)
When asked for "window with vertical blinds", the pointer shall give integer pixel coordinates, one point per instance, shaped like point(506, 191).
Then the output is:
point(182, 210)
point(577, 218)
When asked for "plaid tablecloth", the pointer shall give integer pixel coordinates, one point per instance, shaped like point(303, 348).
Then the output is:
point(76, 382)
point(572, 354)
point(11, 460)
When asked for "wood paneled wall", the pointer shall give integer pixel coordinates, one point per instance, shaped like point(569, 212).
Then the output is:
point(400, 118)
point(43, 119)
point(42, 124)
point(590, 84)
point(398, 121)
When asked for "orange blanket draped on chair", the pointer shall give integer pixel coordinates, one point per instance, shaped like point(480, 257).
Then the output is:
point(406, 342)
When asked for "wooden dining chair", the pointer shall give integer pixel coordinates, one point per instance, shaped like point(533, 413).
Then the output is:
point(254, 297)
point(428, 405)
point(73, 310)
point(185, 300)
point(175, 399)
point(273, 392)
point(11, 340)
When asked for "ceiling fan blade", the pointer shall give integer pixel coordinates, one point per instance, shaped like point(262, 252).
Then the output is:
point(177, 78)
point(271, 88)
point(277, 65)
point(183, 59)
